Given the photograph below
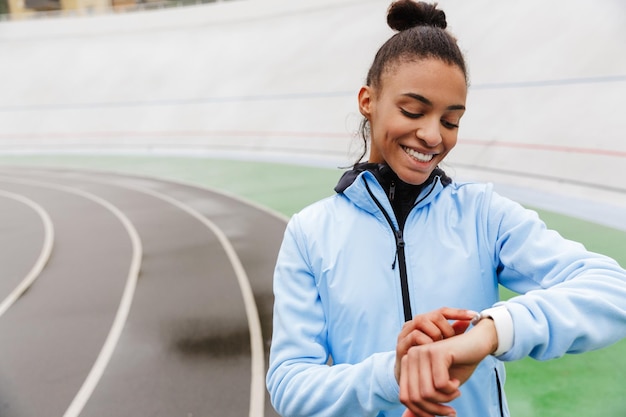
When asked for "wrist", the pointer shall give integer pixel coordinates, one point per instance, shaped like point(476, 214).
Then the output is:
point(488, 335)
point(502, 322)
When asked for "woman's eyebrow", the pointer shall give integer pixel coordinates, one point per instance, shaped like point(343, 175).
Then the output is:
point(426, 101)
point(456, 107)
point(419, 97)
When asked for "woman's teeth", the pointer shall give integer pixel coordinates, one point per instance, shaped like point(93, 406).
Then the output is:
point(422, 157)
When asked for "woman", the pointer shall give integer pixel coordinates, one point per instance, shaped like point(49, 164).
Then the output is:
point(383, 279)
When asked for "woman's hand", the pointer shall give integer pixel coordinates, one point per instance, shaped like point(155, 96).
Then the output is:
point(430, 327)
point(431, 374)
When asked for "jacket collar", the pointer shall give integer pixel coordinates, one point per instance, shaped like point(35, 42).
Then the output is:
point(353, 185)
point(381, 172)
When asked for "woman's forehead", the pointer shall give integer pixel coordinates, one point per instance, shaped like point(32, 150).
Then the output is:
point(424, 75)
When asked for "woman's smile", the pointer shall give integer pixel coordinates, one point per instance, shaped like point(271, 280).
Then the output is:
point(418, 156)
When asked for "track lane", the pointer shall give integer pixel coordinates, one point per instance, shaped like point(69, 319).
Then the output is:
point(231, 214)
point(188, 311)
point(254, 232)
point(52, 335)
point(19, 239)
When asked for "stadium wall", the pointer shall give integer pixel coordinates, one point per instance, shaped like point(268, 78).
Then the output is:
point(277, 80)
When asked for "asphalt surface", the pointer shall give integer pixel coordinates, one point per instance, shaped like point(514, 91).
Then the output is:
point(130, 296)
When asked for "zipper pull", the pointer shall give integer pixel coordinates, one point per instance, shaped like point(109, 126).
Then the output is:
point(399, 239)
point(392, 191)
point(399, 244)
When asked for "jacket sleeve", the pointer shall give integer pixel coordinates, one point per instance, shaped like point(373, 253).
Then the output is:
point(299, 379)
point(572, 301)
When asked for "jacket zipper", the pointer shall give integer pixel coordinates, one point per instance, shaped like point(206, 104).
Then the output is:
point(499, 387)
point(399, 238)
point(400, 256)
point(404, 282)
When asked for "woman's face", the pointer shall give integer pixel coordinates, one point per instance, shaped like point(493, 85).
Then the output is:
point(414, 116)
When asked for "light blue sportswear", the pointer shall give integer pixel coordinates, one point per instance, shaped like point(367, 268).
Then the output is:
point(337, 295)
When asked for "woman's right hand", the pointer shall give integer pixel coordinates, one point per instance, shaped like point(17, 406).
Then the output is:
point(430, 327)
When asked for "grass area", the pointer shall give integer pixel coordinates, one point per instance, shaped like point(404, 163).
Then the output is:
point(585, 385)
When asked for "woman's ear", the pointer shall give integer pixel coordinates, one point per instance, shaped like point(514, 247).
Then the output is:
point(365, 101)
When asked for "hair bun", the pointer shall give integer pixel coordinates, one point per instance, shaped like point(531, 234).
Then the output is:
point(405, 14)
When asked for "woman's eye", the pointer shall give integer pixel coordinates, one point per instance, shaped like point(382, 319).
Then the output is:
point(411, 115)
point(449, 125)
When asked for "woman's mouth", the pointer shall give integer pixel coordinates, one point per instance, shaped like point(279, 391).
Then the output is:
point(418, 156)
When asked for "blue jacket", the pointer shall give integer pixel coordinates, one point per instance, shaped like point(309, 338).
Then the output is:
point(338, 294)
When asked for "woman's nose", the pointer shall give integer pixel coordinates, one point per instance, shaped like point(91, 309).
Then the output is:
point(429, 134)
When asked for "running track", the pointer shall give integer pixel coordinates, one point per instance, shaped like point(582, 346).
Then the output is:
point(129, 296)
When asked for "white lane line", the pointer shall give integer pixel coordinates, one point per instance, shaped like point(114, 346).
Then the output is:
point(242, 200)
point(44, 255)
point(257, 381)
point(85, 391)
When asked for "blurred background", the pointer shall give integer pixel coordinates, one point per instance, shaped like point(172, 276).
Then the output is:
point(258, 98)
point(275, 81)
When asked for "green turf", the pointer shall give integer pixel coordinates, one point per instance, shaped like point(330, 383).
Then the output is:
point(587, 385)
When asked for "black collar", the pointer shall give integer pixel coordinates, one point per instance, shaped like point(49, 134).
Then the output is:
point(384, 174)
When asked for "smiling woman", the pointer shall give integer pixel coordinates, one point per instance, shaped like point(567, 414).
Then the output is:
point(387, 276)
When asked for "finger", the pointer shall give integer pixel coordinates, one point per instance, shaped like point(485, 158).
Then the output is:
point(412, 335)
point(409, 383)
point(457, 313)
point(416, 338)
point(460, 326)
point(436, 329)
point(443, 383)
point(409, 413)
point(441, 319)
point(435, 325)
point(407, 328)
point(404, 382)
point(423, 393)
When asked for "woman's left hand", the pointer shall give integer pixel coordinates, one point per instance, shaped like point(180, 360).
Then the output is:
point(431, 327)
point(431, 374)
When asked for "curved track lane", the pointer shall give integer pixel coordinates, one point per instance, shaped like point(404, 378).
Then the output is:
point(52, 334)
point(196, 336)
point(17, 241)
